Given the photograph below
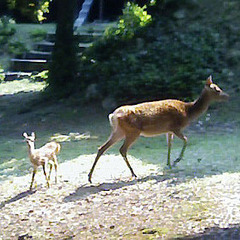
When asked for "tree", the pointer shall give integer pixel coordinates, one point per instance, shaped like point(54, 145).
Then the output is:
point(62, 72)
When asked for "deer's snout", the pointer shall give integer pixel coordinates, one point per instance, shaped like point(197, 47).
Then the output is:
point(224, 96)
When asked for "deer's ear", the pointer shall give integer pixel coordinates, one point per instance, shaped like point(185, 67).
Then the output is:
point(33, 134)
point(209, 81)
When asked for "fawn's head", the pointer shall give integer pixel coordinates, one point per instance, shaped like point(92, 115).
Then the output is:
point(29, 139)
point(214, 91)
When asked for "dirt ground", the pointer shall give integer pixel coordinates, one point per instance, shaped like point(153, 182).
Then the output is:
point(156, 205)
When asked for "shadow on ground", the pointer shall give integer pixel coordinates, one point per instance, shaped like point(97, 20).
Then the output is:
point(85, 190)
point(17, 197)
point(216, 233)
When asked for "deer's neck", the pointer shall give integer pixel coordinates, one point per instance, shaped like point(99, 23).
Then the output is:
point(199, 106)
point(31, 147)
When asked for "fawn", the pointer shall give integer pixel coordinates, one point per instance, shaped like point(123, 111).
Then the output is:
point(154, 118)
point(47, 154)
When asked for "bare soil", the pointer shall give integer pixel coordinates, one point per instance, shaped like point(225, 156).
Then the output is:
point(156, 205)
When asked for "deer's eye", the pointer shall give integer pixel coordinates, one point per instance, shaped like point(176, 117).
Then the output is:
point(217, 89)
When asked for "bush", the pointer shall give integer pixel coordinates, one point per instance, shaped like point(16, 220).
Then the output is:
point(132, 19)
point(167, 59)
point(7, 30)
point(2, 76)
point(17, 48)
point(41, 76)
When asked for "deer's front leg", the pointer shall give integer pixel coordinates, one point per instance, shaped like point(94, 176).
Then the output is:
point(184, 138)
point(169, 137)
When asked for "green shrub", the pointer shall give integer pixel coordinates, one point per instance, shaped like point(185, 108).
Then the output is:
point(133, 18)
point(41, 76)
point(2, 76)
point(16, 48)
point(166, 59)
point(7, 30)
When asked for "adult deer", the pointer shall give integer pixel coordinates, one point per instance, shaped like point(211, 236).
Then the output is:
point(47, 154)
point(154, 118)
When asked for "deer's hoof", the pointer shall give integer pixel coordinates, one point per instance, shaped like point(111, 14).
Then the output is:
point(168, 167)
point(90, 178)
point(176, 161)
point(134, 175)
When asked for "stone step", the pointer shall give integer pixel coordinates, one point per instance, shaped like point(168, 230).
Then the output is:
point(44, 46)
point(38, 55)
point(83, 37)
point(87, 37)
point(11, 76)
point(83, 46)
point(28, 65)
point(37, 60)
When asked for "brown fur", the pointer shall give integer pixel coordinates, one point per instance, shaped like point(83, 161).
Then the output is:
point(154, 118)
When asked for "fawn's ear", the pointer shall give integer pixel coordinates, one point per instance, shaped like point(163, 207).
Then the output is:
point(209, 81)
point(33, 134)
point(25, 135)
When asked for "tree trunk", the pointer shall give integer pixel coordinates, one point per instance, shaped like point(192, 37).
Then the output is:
point(62, 73)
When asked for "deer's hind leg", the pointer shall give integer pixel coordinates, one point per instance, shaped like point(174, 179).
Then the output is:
point(44, 171)
point(129, 140)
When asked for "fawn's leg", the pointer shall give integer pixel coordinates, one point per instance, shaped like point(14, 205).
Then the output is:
point(44, 171)
point(56, 168)
point(33, 175)
point(50, 170)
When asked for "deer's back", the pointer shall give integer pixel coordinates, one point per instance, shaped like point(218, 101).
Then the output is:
point(154, 118)
point(51, 147)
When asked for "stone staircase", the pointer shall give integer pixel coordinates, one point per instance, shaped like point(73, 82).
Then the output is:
point(38, 58)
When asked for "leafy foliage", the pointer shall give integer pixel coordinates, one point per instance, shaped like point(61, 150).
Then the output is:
point(132, 19)
point(7, 30)
point(29, 11)
point(41, 76)
point(42, 9)
point(167, 59)
point(17, 48)
point(1, 74)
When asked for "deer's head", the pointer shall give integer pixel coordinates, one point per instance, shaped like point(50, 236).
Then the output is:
point(214, 91)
